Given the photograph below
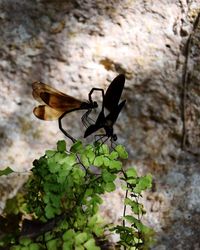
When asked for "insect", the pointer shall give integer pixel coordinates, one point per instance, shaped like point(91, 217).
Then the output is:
point(57, 104)
point(110, 102)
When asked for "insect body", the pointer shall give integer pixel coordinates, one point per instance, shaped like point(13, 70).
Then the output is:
point(111, 103)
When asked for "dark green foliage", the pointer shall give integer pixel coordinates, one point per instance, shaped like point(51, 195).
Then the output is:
point(6, 171)
point(62, 199)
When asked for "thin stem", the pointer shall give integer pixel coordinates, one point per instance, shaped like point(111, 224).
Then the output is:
point(124, 212)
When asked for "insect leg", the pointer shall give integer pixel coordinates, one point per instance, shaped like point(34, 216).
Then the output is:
point(86, 120)
point(101, 136)
point(113, 143)
point(91, 92)
point(62, 129)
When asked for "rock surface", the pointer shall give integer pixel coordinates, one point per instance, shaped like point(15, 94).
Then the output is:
point(77, 45)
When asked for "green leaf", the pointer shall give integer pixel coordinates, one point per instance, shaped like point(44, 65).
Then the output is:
point(16, 247)
point(64, 225)
point(69, 235)
point(55, 200)
point(91, 156)
point(89, 192)
point(92, 221)
point(81, 219)
point(144, 183)
point(89, 147)
point(90, 245)
point(81, 238)
point(14, 205)
point(121, 229)
point(117, 165)
point(25, 241)
point(61, 146)
point(98, 161)
point(109, 186)
point(114, 155)
point(104, 149)
point(35, 246)
point(135, 222)
point(69, 160)
point(24, 248)
point(67, 245)
point(106, 161)
point(131, 172)
point(99, 231)
point(85, 160)
point(50, 187)
point(77, 147)
point(136, 207)
point(60, 157)
point(95, 224)
point(121, 151)
point(132, 182)
point(49, 212)
point(78, 175)
point(107, 176)
point(131, 219)
point(50, 153)
point(46, 197)
point(53, 166)
point(97, 199)
point(80, 248)
point(148, 181)
point(48, 236)
point(62, 175)
point(6, 171)
point(52, 244)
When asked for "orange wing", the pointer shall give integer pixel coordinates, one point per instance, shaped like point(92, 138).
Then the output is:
point(54, 98)
point(56, 102)
point(44, 112)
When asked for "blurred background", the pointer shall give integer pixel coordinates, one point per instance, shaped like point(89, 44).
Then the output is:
point(77, 45)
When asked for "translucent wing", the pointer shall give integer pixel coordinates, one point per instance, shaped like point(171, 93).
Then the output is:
point(45, 112)
point(54, 98)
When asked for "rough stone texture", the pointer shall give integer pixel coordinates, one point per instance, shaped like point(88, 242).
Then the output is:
point(77, 45)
